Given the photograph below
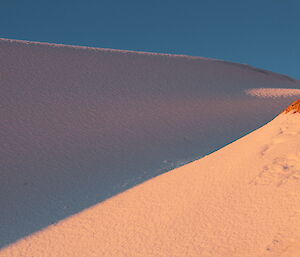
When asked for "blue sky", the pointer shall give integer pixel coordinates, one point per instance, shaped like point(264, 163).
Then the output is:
point(262, 33)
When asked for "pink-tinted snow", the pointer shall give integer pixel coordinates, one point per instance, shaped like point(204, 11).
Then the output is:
point(79, 125)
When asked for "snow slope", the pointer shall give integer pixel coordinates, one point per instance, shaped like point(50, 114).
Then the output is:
point(242, 200)
point(273, 92)
point(79, 125)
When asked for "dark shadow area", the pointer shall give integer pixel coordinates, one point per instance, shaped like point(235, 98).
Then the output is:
point(79, 126)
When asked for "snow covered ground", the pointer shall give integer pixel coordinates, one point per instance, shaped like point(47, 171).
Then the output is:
point(80, 125)
point(242, 200)
point(273, 92)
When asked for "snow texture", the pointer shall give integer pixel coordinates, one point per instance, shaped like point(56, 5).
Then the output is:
point(242, 200)
point(273, 92)
point(80, 125)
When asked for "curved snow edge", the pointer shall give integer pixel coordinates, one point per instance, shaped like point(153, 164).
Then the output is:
point(240, 65)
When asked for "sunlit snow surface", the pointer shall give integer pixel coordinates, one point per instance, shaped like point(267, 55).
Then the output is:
point(273, 92)
point(79, 125)
point(242, 200)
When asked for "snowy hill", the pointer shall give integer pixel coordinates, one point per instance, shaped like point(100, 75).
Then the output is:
point(80, 125)
point(242, 200)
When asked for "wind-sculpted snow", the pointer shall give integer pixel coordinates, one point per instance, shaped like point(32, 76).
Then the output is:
point(242, 200)
point(79, 125)
point(273, 92)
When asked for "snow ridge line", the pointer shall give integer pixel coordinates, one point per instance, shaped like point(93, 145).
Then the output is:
point(57, 45)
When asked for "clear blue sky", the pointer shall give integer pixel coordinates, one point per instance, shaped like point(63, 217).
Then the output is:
point(263, 33)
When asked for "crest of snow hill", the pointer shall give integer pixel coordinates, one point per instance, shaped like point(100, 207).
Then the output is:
point(293, 108)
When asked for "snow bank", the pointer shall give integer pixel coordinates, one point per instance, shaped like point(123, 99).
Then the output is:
point(79, 125)
point(273, 92)
point(242, 200)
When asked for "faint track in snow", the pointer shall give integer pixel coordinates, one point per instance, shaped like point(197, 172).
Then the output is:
point(281, 169)
point(286, 243)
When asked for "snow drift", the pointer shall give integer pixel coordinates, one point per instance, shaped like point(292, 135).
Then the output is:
point(273, 92)
point(242, 200)
point(79, 125)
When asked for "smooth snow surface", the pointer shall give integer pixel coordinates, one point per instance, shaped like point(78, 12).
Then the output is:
point(80, 125)
point(273, 92)
point(242, 200)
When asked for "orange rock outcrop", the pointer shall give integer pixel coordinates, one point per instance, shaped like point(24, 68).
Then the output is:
point(294, 107)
